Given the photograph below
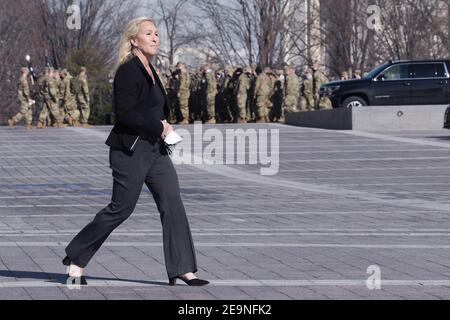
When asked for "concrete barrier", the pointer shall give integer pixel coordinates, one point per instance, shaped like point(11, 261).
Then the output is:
point(376, 118)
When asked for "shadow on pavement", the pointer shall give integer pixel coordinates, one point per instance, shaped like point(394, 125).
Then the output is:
point(61, 278)
point(439, 137)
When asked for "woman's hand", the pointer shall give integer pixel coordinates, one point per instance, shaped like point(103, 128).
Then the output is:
point(167, 129)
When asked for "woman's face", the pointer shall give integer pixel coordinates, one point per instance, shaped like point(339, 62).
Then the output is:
point(147, 39)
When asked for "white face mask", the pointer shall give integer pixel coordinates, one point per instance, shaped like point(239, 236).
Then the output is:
point(282, 78)
point(309, 77)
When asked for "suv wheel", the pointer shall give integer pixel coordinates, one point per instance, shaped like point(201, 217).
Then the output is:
point(354, 102)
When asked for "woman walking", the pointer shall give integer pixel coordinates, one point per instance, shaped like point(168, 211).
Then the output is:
point(138, 156)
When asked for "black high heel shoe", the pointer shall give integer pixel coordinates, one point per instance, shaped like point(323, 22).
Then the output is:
point(193, 282)
point(76, 280)
point(73, 280)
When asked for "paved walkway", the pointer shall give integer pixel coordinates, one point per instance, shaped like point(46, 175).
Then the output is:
point(342, 202)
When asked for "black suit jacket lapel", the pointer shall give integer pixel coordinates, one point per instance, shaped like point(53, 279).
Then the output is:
point(158, 81)
point(155, 75)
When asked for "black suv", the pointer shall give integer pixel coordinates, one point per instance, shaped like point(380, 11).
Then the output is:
point(394, 83)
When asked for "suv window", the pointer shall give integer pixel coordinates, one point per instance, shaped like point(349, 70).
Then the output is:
point(396, 72)
point(428, 70)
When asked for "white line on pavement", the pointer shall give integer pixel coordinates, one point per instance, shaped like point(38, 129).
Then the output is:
point(275, 213)
point(57, 176)
point(79, 153)
point(371, 159)
point(235, 244)
point(273, 229)
point(226, 283)
point(365, 169)
point(55, 166)
point(246, 234)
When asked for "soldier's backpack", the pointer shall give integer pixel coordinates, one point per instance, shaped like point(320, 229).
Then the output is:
point(75, 86)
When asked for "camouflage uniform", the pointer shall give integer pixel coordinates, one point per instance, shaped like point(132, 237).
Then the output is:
point(291, 92)
point(51, 100)
point(251, 107)
point(243, 85)
point(83, 99)
point(23, 95)
point(211, 92)
point(60, 83)
point(307, 103)
point(319, 79)
point(263, 90)
point(70, 104)
point(183, 95)
point(43, 114)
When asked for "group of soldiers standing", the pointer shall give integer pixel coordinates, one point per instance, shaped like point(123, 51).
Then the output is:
point(236, 95)
point(241, 94)
point(63, 99)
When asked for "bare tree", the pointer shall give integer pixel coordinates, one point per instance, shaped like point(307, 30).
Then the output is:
point(173, 16)
point(256, 31)
point(345, 35)
point(411, 29)
point(100, 28)
point(39, 26)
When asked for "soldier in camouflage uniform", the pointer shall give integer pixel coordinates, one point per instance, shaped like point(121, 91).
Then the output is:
point(241, 91)
point(43, 113)
point(291, 92)
point(68, 97)
point(23, 95)
point(51, 100)
point(251, 103)
point(60, 84)
point(307, 100)
point(211, 92)
point(83, 97)
point(40, 96)
point(319, 79)
point(184, 92)
point(263, 90)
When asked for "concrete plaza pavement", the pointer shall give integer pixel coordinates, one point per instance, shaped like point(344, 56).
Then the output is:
point(342, 201)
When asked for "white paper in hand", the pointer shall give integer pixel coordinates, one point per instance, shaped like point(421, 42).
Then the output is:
point(173, 138)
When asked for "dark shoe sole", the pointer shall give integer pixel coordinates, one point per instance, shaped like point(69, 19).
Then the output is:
point(76, 281)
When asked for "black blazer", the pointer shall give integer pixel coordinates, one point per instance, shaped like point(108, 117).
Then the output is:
point(136, 112)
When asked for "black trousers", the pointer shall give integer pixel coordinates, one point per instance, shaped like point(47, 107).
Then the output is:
point(151, 165)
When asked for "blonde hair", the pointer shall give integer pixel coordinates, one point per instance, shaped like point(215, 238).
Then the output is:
point(125, 46)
